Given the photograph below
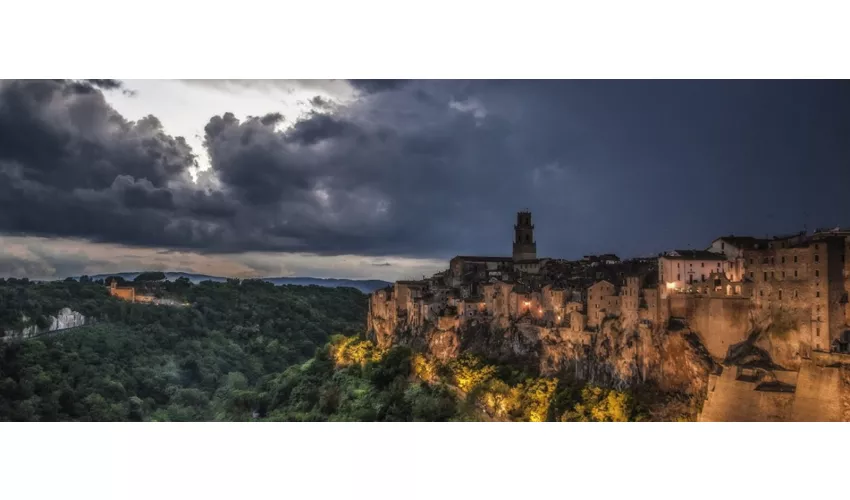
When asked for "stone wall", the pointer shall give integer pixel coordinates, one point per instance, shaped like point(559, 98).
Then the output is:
point(733, 400)
point(814, 394)
point(818, 394)
point(720, 322)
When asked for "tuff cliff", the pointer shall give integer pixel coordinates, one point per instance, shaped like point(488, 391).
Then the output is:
point(744, 364)
point(619, 354)
point(64, 319)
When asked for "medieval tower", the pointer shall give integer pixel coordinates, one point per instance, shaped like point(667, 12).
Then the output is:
point(525, 248)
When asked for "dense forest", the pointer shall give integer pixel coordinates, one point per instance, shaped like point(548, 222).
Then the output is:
point(146, 362)
point(249, 350)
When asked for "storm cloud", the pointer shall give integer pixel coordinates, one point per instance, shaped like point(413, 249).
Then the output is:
point(433, 168)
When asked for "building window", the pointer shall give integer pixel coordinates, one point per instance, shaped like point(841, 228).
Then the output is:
point(817, 331)
point(795, 273)
point(761, 293)
point(772, 261)
point(678, 277)
point(751, 261)
point(765, 275)
point(795, 294)
point(817, 273)
point(783, 274)
point(702, 264)
point(816, 246)
point(817, 258)
point(795, 258)
point(817, 294)
point(751, 275)
point(780, 294)
point(783, 260)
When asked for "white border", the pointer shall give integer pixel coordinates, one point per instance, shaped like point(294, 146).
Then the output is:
point(436, 39)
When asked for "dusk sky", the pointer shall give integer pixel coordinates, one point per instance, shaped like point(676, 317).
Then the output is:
point(390, 179)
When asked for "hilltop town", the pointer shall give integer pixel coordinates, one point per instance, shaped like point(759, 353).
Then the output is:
point(753, 314)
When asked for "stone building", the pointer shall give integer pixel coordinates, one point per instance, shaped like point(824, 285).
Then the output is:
point(124, 293)
point(733, 248)
point(630, 298)
point(807, 277)
point(525, 247)
point(602, 300)
point(680, 270)
point(470, 268)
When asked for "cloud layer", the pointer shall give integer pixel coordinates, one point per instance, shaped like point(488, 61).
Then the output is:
point(431, 169)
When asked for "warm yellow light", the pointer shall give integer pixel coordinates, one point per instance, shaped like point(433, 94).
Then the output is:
point(559, 318)
point(527, 304)
point(671, 286)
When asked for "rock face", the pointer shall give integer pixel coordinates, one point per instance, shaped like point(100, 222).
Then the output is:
point(744, 363)
point(618, 355)
point(64, 320)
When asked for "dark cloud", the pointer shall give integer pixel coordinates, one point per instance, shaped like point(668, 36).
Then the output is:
point(320, 103)
point(375, 86)
point(111, 85)
point(106, 84)
point(436, 168)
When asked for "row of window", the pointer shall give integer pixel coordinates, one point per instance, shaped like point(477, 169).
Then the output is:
point(773, 274)
point(817, 294)
point(702, 264)
point(772, 260)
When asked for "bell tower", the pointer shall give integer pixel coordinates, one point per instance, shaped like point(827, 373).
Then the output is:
point(525, 248)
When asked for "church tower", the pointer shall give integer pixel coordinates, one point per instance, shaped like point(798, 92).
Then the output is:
point(525, 248)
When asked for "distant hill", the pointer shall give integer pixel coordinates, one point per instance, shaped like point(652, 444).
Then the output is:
point(365, 286)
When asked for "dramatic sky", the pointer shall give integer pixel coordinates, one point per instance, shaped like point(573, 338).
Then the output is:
point(389, 179)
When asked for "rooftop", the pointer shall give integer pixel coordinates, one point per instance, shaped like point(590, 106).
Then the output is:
point(695, 255)
point(741, 241)
point(475, 258)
